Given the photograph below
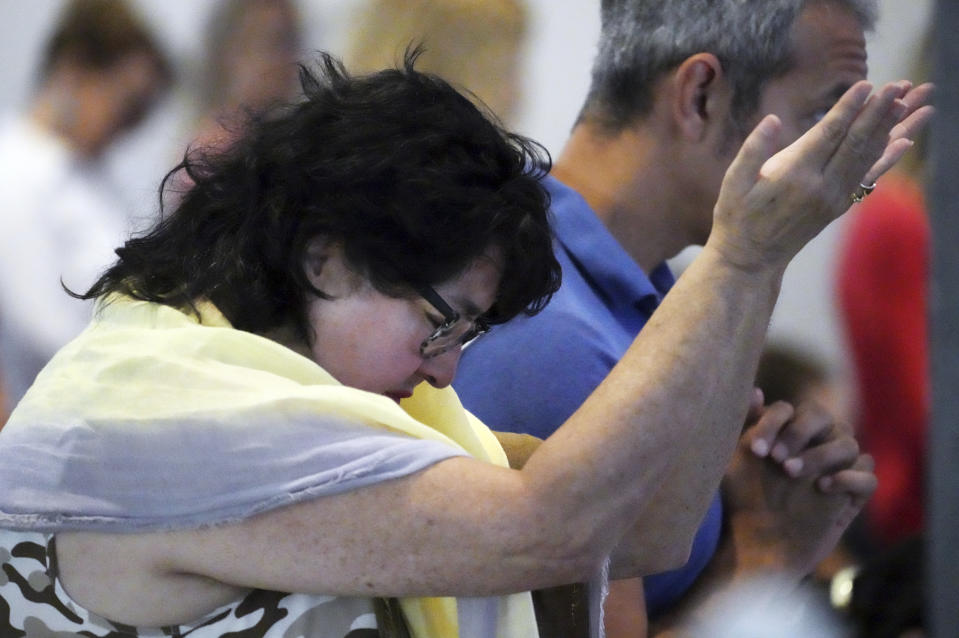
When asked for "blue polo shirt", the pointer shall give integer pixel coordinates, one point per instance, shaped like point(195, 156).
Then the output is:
point(532, 373)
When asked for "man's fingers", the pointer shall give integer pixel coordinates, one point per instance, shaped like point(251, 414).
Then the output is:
point(756, 402)
point(809, 424)
point(900, 141)
point(867, 138)
point(826, 458)
point(762, 435)
point(912, 124)
point(859, 481)
point(916, 98)
point(761, 144)
point(893, 153)
point(916, 102)
point(821, 142)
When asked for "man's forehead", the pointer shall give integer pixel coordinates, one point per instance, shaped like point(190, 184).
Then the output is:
point(829, 37)
point(828, 23)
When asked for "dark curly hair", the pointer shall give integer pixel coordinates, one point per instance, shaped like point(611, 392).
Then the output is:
point(405, 173)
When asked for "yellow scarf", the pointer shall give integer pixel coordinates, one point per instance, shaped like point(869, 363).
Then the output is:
point(142, 365)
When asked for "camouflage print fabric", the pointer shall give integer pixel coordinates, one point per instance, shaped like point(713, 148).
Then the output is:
point(34, 604)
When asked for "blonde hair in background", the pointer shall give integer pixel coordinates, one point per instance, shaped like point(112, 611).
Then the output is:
point(474, 44)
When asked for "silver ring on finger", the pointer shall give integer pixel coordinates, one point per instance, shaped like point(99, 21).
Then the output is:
point(861, 192)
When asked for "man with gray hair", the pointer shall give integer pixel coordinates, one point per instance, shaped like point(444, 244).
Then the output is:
point(676, 87)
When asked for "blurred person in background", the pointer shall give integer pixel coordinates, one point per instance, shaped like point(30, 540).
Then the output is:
point(792, 374)
point(888, 597)
point(882, 287)
point(250, 64)
point(101, 73)
point(475, 44)
point(768, 606)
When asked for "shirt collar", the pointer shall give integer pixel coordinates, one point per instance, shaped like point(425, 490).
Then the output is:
point(590, 244)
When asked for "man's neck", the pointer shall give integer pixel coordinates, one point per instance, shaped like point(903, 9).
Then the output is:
point(627, 181)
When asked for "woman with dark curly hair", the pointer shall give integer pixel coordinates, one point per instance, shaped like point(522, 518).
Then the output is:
point(261, 405)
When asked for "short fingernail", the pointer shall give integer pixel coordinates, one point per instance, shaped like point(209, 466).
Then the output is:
point(760, 447)
point(780, 452)
point(793, 466)
point(899, 109)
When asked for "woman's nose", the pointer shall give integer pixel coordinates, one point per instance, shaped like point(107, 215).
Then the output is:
point(440, 370)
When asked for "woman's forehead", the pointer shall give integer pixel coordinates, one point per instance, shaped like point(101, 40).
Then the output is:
point(474, 290)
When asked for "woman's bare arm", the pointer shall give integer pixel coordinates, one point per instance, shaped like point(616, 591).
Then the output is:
point(669, 413)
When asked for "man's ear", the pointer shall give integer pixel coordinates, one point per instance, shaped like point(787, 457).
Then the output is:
point(700, 99)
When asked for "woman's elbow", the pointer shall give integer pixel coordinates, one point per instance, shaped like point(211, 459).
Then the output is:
point(675, 556)
point(635, 558)
point(564, 558)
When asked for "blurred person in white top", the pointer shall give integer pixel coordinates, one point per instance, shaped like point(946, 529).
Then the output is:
point(100, 74)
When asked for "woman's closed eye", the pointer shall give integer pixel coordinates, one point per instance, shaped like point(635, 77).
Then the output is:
point(436, 321)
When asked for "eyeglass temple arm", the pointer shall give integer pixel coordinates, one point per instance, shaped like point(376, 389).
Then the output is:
point(437, 302)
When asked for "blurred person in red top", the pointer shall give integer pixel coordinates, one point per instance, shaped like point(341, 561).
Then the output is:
point(882, 287)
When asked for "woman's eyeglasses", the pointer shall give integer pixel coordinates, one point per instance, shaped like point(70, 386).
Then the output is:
point(454, 332)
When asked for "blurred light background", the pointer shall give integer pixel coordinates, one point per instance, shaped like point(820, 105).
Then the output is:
point(554, 75)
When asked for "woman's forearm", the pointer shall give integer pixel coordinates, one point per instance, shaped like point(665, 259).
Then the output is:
point(659, 431)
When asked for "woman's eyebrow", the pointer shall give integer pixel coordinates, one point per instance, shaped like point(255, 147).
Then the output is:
point(466, 307)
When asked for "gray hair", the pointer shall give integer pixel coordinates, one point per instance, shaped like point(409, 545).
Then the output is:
point(643, 39)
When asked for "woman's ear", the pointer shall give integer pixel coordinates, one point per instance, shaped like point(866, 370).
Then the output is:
point(325, 267)
point(317, 261)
